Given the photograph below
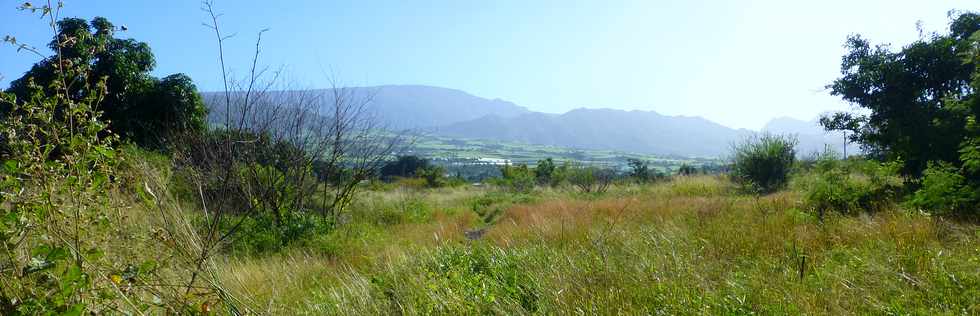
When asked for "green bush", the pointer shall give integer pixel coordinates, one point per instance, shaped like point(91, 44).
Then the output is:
point(518, 178)
point(850, 186)
point(493, 204)
point(591, 179)
point(463, 280)
point(762, 164)
point(944, 190)
point(548, 173)
point(260, 235)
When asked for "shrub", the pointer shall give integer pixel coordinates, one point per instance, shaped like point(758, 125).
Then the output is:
point(493, 204)
point(944, 190)
point(762, 164)
point(517, 178)
point(463, 280)
point(435, 176)
point(850, 186)
point(591, 179)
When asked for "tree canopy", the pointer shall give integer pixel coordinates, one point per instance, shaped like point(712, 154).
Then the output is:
point(913, 96)
point(138, 106)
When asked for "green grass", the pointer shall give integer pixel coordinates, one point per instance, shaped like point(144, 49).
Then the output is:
point(690, 246)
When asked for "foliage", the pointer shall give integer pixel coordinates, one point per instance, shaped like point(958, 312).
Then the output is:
point(911, 95)
point(944, 190)
point(54, 176)
point(591, 179)
point(435, 176)
point(687, 170)
point(547, 173)
point(641, 172)
point(55, 224)
point(849, 186)
point(922, 106)
point(517, 178)
point(404, 166)
point(491, 205)
point(762, 163)
point(136, 105)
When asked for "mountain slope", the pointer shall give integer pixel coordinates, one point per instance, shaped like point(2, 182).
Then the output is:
point(454, 113)
point(635, 131)
point(406, 106)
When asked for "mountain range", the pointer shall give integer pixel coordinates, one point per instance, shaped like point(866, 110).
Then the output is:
point(457, 114)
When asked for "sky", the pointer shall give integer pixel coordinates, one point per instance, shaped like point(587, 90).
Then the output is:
point(738, 63)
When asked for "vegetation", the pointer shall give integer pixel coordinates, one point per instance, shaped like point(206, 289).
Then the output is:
point(298, 202)
point(922, 106)
point(137, 106)
point(762, 164)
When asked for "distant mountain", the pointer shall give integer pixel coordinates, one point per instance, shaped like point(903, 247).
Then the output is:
point(457, 114)
point(635, 131)
point(413, 106)
point(408, 106)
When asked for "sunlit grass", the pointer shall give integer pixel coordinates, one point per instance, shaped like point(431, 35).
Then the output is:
point(690, 246)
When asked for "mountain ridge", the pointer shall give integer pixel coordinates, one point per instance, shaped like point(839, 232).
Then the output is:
point(455, 113)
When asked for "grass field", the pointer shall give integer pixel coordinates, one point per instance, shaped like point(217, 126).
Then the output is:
point(689, 246)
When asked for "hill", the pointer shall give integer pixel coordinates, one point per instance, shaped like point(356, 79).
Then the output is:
point(605, 129)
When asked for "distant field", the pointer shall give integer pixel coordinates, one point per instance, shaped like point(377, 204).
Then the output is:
point(449, 149)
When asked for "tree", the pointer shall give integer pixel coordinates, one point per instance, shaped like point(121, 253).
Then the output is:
point(518, 178)
point(687, 170)
point(911, 95)
point(544, 171)
point(404, 166)
point(138, 106)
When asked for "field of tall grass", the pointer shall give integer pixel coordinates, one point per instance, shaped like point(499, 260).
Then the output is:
point(693, 245)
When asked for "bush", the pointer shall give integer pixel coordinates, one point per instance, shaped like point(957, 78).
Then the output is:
point(640, 171)
point(517, 178)
point(463, 280)
point(762, 164)
point(850, 186)
point(944, 190)
point(591, 179)
point(493, 204)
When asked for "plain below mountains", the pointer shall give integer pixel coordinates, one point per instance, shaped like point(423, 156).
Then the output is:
point(457, 114)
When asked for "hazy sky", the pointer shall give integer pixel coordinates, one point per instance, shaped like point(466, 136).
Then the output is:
point(739, 63)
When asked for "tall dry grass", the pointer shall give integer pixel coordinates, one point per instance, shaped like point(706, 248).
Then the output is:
point(689, 246)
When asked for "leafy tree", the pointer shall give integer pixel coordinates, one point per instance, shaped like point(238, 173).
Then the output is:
point(518, 178)
point(545, 171)
point(913, 96)
point(687, 170)
point(404, 166)
point(138, 106)
point(435, 176)
point(639, 169)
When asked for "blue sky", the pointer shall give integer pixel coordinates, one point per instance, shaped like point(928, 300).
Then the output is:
point(739, 63)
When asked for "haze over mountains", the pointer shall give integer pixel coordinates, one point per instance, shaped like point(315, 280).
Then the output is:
point(457, 114)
